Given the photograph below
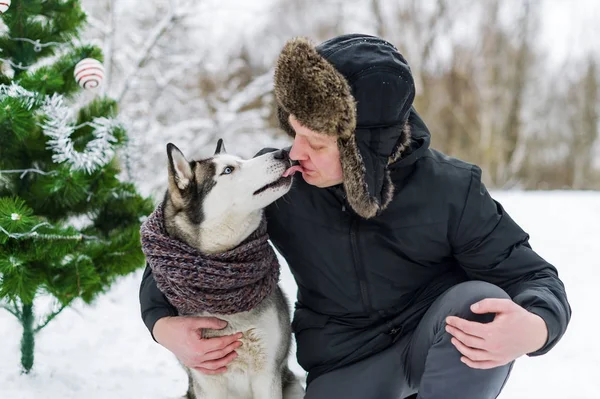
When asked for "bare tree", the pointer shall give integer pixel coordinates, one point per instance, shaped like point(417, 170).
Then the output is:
point(377, 11)
point(514, 143)
point(506, 60)
point(418, 31)
point(584, 121)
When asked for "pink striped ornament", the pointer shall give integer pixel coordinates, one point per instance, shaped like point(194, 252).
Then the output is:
point(4, 5)
point(89, 73)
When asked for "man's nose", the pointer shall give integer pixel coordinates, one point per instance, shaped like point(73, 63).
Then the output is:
point(282, 155)
point(296, 153)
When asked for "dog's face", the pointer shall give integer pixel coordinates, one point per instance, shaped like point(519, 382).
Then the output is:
point(210, 189)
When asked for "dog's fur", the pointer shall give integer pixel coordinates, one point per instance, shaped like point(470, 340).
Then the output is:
point(213, 205)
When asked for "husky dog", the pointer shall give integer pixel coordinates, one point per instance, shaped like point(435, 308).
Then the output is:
point(224, 207)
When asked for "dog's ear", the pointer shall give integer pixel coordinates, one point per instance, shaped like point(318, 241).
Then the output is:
point(180, 169)
point(220, 147)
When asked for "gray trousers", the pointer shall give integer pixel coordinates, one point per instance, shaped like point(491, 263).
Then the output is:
point(423, 361)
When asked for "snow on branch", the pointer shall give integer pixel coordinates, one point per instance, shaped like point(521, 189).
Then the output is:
point(259, 87)
point(97, 24)
point(167, 23)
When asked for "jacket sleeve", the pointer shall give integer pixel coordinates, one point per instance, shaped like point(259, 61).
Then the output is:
point(154, 305)
point(491, 247)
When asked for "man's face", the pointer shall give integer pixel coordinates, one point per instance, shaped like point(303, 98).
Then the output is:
point(318, 155)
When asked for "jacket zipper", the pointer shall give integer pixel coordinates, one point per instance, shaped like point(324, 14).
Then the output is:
point(360, 272)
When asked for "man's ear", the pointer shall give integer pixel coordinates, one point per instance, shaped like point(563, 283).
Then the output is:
point(180, 169)
point(220, 147)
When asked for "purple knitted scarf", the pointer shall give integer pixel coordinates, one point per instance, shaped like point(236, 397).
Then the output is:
point(224, 283)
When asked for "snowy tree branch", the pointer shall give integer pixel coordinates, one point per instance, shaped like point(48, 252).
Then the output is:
point(97, 24)
point(163, 27)
point(109, 41)
point(259, 87)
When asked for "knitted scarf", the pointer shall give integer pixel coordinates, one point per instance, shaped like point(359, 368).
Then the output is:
point(225, 283)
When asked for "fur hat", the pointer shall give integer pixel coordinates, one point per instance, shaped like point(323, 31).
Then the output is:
point(322, 98)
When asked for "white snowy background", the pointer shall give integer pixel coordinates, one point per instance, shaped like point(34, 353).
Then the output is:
point(104, 350)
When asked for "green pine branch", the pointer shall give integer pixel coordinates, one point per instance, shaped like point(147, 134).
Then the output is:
point(12, 310)
point(47, 21)
point(49, 318)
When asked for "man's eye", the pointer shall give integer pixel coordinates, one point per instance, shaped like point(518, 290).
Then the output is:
point(227, 170)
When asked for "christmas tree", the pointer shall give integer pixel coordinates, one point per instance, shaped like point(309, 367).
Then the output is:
point(68, 225)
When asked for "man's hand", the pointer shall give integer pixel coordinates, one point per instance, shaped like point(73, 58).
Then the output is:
point(182, 335)
point(513, 333)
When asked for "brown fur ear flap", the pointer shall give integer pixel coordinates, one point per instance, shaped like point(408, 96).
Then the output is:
point(402, 144)
point(355, 184)
point(354, 175)
point(284, 122)
point(310, 88)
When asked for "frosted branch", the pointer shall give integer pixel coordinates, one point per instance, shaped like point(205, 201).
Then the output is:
point(97, 24)
point(109, 46)
point(162, 28)
point(259, 87)
point(121, 194)
point(16, 91)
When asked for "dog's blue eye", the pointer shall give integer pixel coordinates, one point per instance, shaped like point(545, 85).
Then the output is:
point(227, 170)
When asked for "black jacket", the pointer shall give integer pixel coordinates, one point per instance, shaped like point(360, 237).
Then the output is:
point(364, 282)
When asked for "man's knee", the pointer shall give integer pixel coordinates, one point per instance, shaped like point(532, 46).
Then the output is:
point(458, 299)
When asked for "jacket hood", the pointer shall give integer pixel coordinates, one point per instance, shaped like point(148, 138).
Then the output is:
point(420, 139)
point(357, 88)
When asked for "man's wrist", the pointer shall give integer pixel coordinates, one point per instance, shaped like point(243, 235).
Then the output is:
point(159, 326)
point(539, 333)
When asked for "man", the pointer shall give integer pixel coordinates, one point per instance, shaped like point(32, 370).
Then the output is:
point(411, 278)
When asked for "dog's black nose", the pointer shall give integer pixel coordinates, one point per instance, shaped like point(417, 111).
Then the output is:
point(281, 154)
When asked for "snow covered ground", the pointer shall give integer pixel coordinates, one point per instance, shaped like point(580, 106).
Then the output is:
point(104, 351)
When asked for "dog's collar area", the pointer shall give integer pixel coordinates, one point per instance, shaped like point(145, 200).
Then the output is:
point(173, 262)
